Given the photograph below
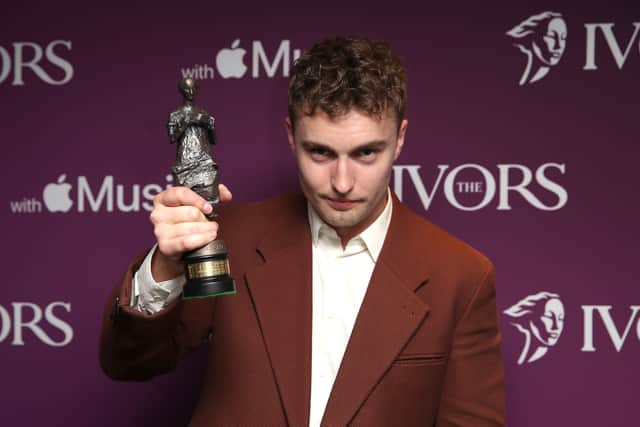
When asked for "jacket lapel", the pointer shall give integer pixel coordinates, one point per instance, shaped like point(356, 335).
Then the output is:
point(390, 314)
point(280, 290)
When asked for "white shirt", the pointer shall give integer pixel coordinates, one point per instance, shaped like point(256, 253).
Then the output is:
point(150, 296)
point(340, 282)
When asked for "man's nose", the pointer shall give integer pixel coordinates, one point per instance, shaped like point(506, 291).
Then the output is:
point(342, 179)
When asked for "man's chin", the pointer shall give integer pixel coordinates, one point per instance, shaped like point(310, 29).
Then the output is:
point(339, 219)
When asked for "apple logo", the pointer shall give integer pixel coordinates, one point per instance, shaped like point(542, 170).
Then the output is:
point(56, 196)
point(229, 61)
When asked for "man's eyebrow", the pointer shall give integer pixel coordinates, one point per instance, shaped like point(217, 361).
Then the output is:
point(371, 145)
point(313, 144)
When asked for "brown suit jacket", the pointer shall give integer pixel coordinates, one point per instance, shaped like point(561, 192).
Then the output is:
point(425, 348)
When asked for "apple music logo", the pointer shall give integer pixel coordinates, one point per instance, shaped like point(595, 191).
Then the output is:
point(56, 195)
point(230, 62)
point(106, 196)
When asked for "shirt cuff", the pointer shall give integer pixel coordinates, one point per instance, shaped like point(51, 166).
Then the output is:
point(150, 296)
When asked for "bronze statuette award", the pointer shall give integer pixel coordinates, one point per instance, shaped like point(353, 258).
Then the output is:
point(192, 129)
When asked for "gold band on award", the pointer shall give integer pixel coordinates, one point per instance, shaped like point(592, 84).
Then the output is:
point(216, 267)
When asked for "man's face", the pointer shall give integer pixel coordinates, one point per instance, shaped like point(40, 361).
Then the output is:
point(344, 165)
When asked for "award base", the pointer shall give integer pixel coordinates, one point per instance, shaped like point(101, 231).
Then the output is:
point(207, 272)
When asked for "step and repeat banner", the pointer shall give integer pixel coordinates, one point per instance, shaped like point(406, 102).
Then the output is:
point(522, 140)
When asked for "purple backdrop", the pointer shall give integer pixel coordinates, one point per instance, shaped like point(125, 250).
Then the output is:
point(540, 176)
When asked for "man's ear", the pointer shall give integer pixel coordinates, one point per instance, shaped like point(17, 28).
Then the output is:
point(289, 126)
point(400, 140)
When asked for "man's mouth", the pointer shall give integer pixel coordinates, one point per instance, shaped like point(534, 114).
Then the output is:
point(340, 204)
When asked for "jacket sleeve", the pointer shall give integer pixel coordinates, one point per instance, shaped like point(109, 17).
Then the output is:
point(138, 346)
point(473, 393)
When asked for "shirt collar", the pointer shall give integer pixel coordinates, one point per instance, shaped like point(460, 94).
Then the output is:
point(373, 236)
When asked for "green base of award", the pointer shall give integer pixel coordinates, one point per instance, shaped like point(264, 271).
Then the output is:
point(207, 272)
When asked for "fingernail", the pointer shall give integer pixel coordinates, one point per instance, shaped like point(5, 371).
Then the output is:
point(207, 207)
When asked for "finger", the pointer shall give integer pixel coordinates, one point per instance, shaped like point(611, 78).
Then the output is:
point(225, 194)
point(180, 196)
point(176, 214)
point(172, 231)
point(179, 245)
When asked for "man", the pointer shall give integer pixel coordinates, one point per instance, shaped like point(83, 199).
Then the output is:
point(350, 309)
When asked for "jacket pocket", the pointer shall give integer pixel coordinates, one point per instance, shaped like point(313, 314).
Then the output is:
point(420, 359)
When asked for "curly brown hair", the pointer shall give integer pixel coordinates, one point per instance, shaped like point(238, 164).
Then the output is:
point(345, 73)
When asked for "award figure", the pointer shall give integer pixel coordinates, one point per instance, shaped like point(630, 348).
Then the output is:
point(192, 129)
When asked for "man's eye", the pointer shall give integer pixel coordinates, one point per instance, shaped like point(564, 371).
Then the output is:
point(319, 153)
point(367, 153)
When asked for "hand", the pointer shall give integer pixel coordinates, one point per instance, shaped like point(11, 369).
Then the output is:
point(180, 225)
